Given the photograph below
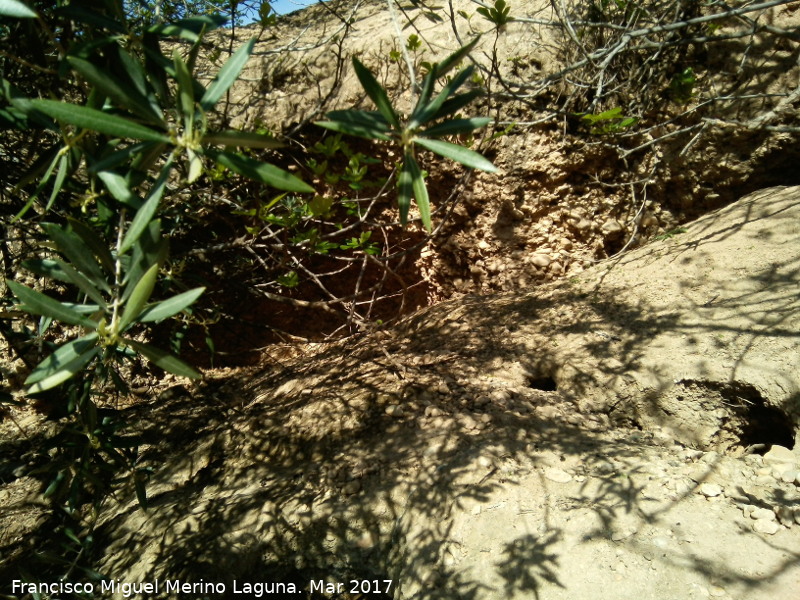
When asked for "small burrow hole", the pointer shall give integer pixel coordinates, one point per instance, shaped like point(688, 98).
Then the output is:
point(767, 426)
point(545, 384)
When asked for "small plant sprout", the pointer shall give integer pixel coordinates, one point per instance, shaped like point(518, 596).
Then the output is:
point(608, 122)
point(498, 14)
point(425, 126)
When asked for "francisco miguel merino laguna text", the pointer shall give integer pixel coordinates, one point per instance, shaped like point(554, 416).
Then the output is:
point(176, 586)
point(156, 587)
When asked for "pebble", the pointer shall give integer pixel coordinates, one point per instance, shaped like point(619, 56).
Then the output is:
point(766, 527)
point(762, 514)
point(540, 260)
point(715, 591)
point(709, 490)
point(557, 475)
point(779, 469)
point(611, 227)
point(583, 225)
point(683, 486)
point(433, 411)
point(710, 457)
point(604, 468)
point(765, 480)
point(790, 476)
point(780, 454)
point(500, 395)
point(547, 412)
point(394, 410)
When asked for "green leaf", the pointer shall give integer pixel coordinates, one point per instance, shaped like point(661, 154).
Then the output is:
point(94, 243)
point(163, 360)
point(83, 15)
point(427, 90)
point(134, 70)
point(145, 214)
point(37, 303)
point(139, 296)
point(117, 157)
point(59, 359)
point(227, 75)
point(116, 89)
point(356, 129)
point(455, 127)
point(195, 166)
point(420, 191)
point(259, 171)
point(376, 93)
point(82, 282)
point(191, 27)
point(150, 248)
point(172, 306)
point(429, 111)
point(404, 191)
point(456, 103)
point(451, 61)
point(465, 156)
point(61, 176)
point(16, 10)
point(362, 123)
point(46, 267)
point(185, 92)
point(32, 173)
point(78, 254)
point(69, 370)
point(89, 118)
point(81, 309)
point(117, 185)
point(241, 138)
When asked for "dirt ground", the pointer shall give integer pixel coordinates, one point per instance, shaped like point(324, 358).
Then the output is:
point(558, 425)
point(624, 434)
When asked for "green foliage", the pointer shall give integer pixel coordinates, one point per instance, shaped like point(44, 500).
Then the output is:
point(413, 43)
point(681, 86)
point(361, 243)
point(498, 14)
point(430, 119)
point(608, 122)
point(670, 234)
point(136, 129)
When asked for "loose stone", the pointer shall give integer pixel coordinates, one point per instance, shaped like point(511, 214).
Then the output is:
point(780, 454)
point(766, 527)
point(394, 410)
point(762, 514)
point(710, 490)
point(540, 260)
point(557, 475)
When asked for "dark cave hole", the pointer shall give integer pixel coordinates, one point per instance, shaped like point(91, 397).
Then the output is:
point(766, 425)
point(545, 384)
